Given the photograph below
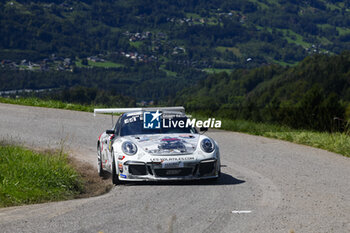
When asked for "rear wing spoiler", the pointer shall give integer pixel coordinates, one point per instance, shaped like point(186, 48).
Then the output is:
point(123, 110)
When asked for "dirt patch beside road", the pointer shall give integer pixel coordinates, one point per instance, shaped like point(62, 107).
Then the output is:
point(94, 185)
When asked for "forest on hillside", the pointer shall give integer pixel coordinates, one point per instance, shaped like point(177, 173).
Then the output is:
point(315, 94)
point(211, 34)
point(281, 61)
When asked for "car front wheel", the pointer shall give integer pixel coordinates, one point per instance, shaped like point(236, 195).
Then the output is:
point(115, 177)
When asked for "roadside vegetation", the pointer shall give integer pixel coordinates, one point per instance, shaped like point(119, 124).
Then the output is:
point(28, 177)
point(37, 102)
point(338, 142)
point(31, 177)
point(335, 141)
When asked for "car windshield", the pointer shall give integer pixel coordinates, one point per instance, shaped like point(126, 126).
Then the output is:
point(134, 125)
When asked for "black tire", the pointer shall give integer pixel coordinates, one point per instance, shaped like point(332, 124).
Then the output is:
point(102, 173)
point(219, 173)
point(216, 179)
point(115, 177)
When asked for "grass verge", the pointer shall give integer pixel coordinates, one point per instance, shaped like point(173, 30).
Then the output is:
point(334, 142)
point(36, 102)
point(28, 177)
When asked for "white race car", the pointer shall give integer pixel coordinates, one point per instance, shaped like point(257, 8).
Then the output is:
point(154, 144)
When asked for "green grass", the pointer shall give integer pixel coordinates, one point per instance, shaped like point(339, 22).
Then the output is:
point(28, 177)
point(79, 64)
point(136, 44)
point(290, 36)
point(213, 21)
point(47, 104)
point(298, 39)
point(235, 50)
point(283, 63)
point(275, 2)
point(217, 70)
point(334, 142)
point(193, 15)
point(333, 6)
point(343, 31)
point(168, 72)
point(105, 64)
point(260, 4)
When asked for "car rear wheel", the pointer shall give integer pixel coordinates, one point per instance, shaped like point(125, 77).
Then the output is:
point(102, 173)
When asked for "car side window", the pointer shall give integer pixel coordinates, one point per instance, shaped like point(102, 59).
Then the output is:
point(117, 126)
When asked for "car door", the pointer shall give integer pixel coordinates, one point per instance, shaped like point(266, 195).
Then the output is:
point(108, 146)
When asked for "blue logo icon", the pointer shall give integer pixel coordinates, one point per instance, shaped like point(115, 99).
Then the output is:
point(151, 120)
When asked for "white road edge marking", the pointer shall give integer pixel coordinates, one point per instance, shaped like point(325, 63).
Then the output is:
point(241, 211)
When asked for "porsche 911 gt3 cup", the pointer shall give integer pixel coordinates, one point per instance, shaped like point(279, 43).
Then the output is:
point(154, 144)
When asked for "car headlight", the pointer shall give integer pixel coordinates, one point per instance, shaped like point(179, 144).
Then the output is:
point(129, 148)
point(207, 145)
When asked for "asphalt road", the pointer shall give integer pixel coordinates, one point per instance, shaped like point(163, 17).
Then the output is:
point(282, 187)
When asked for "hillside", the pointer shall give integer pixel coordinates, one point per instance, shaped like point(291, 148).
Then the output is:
point(315, 94)
point(208, 35)
point(146, 52)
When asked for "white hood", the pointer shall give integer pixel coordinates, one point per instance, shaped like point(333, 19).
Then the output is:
point(166, 144)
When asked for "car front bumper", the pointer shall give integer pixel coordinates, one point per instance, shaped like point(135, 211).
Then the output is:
point(152, 171)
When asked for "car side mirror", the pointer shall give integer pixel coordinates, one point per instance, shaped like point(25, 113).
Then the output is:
point(203, 129)
point(109, 131)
